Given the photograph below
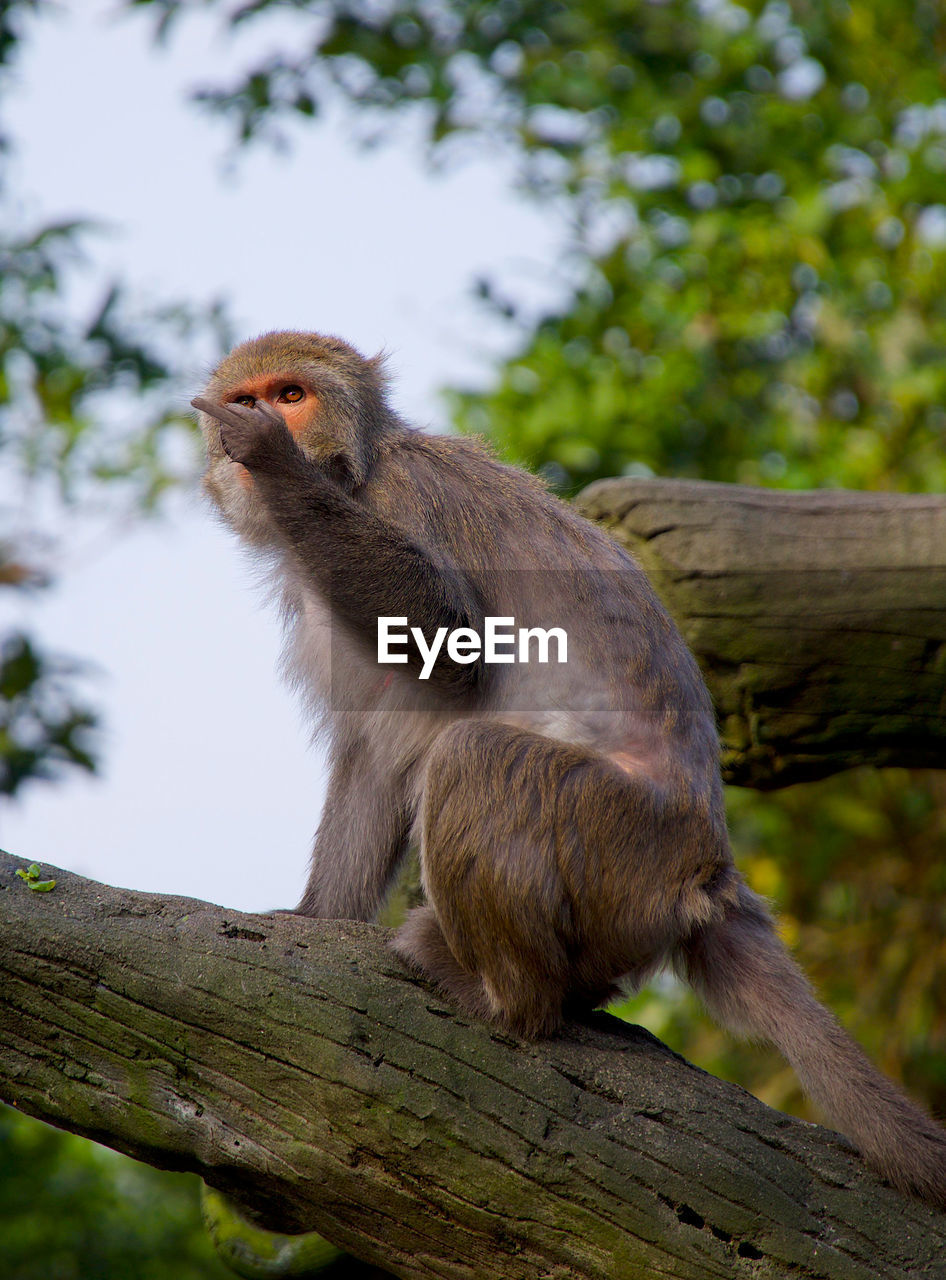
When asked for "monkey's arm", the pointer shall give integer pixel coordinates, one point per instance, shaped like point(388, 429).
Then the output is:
point(365, 567)
point(360, 841)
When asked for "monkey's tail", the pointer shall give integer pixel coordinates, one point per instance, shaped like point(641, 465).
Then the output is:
point(752, 986)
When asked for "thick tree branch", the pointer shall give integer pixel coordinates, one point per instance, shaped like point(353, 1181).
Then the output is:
point(294, 1066)
point(819, 619)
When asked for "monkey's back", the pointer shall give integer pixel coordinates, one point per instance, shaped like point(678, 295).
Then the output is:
point(630, 683)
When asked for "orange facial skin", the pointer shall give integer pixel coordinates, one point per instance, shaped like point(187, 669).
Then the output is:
point(292, 400)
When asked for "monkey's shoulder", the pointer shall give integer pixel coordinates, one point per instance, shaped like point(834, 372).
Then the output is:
point(454, 488)
point(471, 460)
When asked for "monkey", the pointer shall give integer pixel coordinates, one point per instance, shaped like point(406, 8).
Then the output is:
point(570, 817)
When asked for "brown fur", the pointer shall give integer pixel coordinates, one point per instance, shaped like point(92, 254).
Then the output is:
point(570, 818)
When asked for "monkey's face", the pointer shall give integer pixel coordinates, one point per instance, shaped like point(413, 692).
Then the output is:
point(295, 402)
point(330, 397)
point(293, 398)
point(229, 483)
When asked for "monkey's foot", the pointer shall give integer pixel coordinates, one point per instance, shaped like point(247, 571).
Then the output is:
point(530, 1013)
point(420, 944)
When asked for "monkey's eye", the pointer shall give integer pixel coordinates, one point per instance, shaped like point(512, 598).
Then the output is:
point(249, 401)
point(289, 395)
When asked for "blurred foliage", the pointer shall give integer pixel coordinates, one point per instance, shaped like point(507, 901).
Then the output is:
point(89, 416)
point(756, 292)
point(94, 399)
point(71, 1210)
point(42, 727)
point(258, 1254)
point(757, 193)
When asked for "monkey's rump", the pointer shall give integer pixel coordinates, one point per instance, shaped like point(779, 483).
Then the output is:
point(556, 894)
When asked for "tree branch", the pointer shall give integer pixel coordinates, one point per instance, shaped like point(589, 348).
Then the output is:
point(819, 619)
point(295, 1067)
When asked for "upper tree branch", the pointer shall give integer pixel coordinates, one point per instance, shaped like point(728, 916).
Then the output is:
point(294, 1066)
point(819, 619)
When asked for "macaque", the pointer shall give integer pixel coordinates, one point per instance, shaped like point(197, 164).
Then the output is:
point(570, 814)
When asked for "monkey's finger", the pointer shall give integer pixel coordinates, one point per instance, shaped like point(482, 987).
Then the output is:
point(267, 410)
point(234, 415)
point(240, 414)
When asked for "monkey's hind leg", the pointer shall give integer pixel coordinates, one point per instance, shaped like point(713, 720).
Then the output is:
point(497, 934)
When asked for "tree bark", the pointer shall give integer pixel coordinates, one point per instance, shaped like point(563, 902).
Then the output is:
point(819, 619)
point(296, 1068)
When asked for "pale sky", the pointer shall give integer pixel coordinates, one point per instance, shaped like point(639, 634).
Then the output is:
point(208, 787)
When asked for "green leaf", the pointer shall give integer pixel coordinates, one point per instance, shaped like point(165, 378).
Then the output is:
point(42, 886)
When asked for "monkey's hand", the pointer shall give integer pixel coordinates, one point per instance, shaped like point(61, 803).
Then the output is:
point(254, 435)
